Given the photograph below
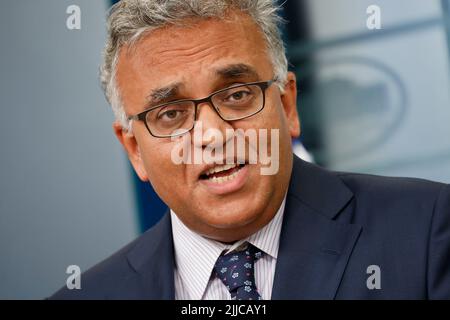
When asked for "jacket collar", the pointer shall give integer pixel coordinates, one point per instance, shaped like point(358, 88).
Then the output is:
point(153, 261)
point(314, 247)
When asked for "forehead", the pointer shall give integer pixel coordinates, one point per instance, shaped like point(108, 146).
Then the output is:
point(237, 35)
point(191, 53)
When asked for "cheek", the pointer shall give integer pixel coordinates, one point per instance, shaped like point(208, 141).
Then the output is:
point(280, 121)
point(281, 150)
point(275, 118)
point(161, 170)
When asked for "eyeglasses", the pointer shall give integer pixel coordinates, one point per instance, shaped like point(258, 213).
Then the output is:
point(178, 117)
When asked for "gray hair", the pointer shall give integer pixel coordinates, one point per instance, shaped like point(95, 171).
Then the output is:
point(129, 20)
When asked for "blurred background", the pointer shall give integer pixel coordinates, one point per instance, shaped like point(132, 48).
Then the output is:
point(370, 100)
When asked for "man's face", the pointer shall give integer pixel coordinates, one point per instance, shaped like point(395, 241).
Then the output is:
point(191, 62)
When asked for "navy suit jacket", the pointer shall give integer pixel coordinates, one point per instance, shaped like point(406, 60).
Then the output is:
point(335, 226)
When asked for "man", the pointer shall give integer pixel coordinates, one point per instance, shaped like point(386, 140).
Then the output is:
point(187, 78)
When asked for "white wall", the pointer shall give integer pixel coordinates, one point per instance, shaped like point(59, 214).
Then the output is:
point(65, 193)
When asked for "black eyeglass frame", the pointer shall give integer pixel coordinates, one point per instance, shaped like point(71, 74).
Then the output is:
point(262, 84)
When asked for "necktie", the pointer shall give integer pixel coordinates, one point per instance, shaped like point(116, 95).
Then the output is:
point(236, 270)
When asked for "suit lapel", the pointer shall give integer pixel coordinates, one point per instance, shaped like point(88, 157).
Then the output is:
point(153, 261)
point(314, 247)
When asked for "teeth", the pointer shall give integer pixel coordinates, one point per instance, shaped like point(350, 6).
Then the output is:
point(230, 177)
point(220, 168)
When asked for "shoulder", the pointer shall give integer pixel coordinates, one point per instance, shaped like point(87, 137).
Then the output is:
point(319, 187)
point(97, 281)
point(396, 203)
point(394, 193)
point(381, 187)
point(114, 276)
point(369, 197)
point(406, 229)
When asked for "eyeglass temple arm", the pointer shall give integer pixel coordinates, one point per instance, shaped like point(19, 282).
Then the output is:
point(135, 117)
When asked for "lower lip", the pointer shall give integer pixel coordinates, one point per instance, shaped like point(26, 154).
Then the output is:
point(227, 186)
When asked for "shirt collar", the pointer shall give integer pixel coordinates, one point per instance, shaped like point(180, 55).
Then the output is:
point(194, 252)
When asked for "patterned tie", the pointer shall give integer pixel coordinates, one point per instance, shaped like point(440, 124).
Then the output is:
point(236, 270)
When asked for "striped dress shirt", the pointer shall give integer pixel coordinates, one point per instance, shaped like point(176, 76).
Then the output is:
point(195, 257)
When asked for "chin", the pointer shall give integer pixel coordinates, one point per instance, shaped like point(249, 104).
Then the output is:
point(231, 221)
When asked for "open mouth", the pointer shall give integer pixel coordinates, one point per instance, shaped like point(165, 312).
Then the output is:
point(222, 173)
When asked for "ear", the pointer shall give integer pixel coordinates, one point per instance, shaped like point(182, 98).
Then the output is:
point(289, 101)
point(129, 143)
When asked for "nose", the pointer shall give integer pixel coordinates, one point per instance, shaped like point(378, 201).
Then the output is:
point(210, 124)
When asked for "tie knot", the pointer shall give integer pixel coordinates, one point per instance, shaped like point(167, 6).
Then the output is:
point(236, 270)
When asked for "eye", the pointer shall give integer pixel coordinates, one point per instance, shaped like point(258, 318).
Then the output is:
point(238, 96)
point(170, 115)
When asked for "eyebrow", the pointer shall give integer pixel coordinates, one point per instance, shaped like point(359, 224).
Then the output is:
point(233, 71)
point(238, 70)
point(165, 93)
